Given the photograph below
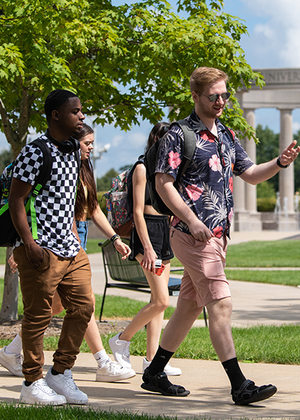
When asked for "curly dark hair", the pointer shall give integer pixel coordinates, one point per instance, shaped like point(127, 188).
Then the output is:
point(56, 99)
point(87, 179)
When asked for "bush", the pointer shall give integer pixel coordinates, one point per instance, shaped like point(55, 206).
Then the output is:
point(265, 190)
point(101, 201)
point(266, 204)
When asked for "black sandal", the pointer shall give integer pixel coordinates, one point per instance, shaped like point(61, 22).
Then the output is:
point(250, 393)
point(160, 383)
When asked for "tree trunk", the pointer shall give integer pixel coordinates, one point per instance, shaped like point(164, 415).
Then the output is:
point(9, 309)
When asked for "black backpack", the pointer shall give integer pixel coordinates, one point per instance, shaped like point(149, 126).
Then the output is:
point(151, 157)
point(150, 163)
point(8, 233)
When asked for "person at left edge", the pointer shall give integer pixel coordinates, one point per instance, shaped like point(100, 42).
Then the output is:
point(55, 261)
point(86, 205)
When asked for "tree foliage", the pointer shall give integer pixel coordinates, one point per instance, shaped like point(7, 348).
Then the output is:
point(266, 150)
point(124, 62)
point(104, 183)
point(6, 157)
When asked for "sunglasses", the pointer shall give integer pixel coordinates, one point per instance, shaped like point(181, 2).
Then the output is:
point(213, 98)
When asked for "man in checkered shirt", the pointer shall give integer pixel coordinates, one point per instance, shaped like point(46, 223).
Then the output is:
point(55, 261)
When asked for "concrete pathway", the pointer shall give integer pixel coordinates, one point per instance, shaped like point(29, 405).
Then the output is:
point(206, 380)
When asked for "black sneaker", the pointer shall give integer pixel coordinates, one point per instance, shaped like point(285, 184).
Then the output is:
point(160, 383)
point(250, 393)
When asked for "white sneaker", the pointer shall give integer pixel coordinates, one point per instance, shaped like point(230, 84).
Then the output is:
point(120, 349)
point(12, 362)
point(40, 393)
point(169, 370)
point(64, 384)
point(112, 372)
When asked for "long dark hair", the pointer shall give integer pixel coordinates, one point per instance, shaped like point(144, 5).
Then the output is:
point(156, 133)
point(87, 179)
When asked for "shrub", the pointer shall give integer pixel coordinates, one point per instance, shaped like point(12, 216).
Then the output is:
point(101, 201)
point(266, 204)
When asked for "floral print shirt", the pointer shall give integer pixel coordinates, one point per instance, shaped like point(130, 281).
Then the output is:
point(207, 185)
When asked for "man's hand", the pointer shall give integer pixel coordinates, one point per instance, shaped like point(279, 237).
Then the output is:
point(289, 154)
point(199, 231)
point(34, 254)
point(12, 263)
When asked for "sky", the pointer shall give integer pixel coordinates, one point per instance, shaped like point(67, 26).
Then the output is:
point(273, 42)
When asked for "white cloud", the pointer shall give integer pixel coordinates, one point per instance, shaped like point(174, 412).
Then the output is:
point(274, 38)
point(296, 126)
point(117, 140)
point(125, 147)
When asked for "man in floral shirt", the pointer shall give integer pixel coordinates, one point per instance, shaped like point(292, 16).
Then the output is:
point(203, 209)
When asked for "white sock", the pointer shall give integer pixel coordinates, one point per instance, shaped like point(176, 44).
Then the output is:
point(101, 358)
point(15, 347)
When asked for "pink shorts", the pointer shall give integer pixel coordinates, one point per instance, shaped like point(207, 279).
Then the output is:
point(203, 279)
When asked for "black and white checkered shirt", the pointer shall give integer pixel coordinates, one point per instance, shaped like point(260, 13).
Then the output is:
point(56, 202)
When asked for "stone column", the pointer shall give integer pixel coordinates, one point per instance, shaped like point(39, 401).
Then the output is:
point(286, 176)
point(241, 219)
point(287, 219)
point(250, 147)
point(250, 190)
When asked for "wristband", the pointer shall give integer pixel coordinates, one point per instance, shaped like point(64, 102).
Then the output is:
point(114, 238)
point(279, 164)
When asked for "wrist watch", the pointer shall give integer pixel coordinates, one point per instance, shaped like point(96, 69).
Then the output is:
point(114, 238)
point(279, 164)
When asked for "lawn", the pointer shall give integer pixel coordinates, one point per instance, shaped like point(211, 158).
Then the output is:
point(284, 277)
point(15, 412)
point(284, 253)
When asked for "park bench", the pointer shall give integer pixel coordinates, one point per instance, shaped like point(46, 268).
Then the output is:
point(125, 274)
point(129, 275)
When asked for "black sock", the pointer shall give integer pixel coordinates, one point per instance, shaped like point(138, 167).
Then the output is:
point(234, 373)
point(159, 361)
point(54, 372)
point(28, 383)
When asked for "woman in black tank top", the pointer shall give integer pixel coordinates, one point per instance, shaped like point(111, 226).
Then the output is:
point(149, 242)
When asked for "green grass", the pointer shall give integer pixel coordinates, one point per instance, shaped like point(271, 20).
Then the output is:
point(92, 246)
point(284, 253)
point(260, 344)
point(14, 412)
point(2, 255)
point(287, 278)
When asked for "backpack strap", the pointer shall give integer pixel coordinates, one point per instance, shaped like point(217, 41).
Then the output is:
point(43, 177)
point(78, 160)
point(189, 147)
point(229, 132)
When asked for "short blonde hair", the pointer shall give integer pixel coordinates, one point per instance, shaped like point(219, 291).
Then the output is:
point(203, 76)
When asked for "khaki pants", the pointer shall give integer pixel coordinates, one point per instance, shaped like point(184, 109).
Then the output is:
point(72, 279)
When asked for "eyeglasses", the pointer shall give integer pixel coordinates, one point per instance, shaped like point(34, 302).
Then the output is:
point(213, 98)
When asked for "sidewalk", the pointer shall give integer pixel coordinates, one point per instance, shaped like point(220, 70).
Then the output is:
point(253, 304)
point(209, 398)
